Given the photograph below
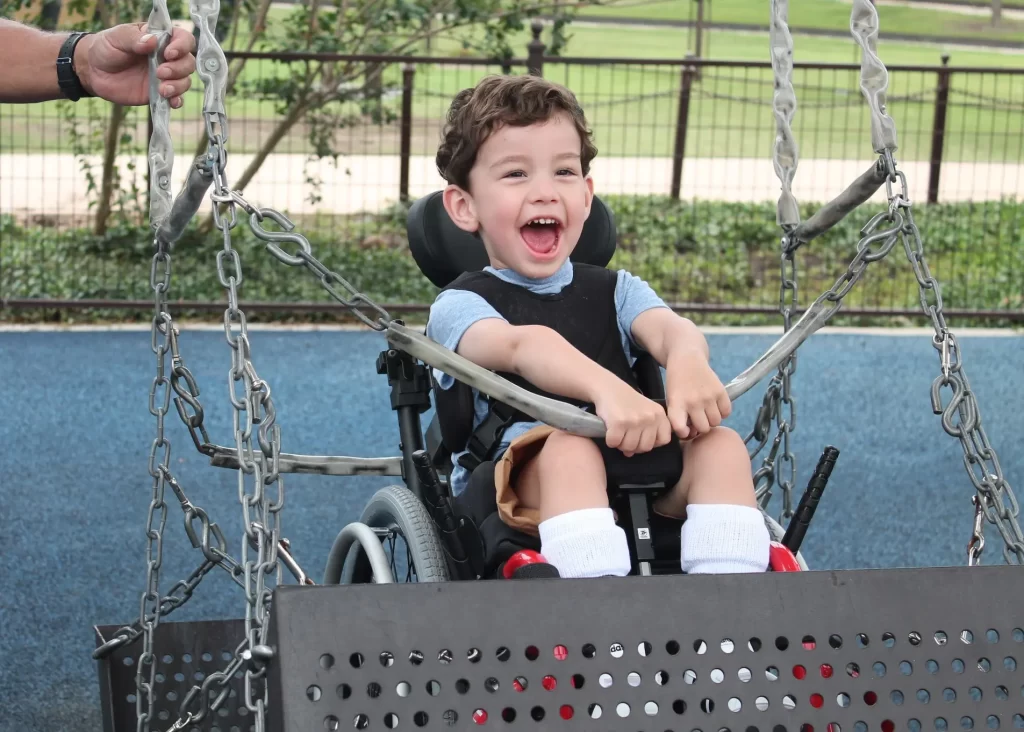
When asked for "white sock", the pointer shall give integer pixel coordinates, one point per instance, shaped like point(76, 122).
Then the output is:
point(724, 539)
point(585, 543)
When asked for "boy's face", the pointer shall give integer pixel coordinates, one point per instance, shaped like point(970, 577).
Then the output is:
point(529, 196)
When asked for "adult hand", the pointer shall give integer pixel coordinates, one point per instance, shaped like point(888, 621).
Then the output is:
point(114, 64)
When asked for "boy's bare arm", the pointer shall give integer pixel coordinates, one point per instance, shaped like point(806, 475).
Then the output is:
point(697, 401)
point(663, 333)
point(538, 354)
point(546, 359)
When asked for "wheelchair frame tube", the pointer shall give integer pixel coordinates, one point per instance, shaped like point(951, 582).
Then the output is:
point(411, 435)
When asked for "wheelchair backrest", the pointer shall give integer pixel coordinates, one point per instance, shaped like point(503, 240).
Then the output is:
point(443, 251)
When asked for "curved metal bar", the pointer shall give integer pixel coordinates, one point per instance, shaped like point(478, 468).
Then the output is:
point(834, 211)
point(227, 457)
point(567, 417)
point(813, 318)
point(188, 201)
point(362, 534)
point(558, 414)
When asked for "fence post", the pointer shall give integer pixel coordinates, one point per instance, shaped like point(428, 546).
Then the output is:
point(408, 73)
point(938, 130)
point(535, 50)
point(682, 117)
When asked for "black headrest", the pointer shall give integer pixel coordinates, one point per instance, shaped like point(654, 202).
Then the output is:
point(443, 251)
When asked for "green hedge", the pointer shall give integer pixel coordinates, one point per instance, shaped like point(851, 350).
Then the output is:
point(717, 253)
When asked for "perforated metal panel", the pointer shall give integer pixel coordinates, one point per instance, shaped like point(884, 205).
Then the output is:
point(186, 652)
point(851, 651)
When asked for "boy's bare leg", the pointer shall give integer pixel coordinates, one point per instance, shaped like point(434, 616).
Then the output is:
point(724, 531)
point(567, 482)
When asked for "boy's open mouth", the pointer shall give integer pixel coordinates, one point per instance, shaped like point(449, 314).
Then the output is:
point(542, 235)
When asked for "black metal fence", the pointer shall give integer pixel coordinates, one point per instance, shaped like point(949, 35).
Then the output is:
point(684, 160)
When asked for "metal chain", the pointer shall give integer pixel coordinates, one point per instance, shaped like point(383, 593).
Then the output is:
point(304, 256)
point(961, 416)
point(786, 414)
point(256, 406)
point(149, 616)
point(779, 403)
point(161, 332)
point(258, 471)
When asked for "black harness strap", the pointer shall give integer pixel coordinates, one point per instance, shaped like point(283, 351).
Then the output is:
point(488, 433)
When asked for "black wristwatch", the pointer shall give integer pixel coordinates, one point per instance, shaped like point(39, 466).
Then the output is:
point(67, 79)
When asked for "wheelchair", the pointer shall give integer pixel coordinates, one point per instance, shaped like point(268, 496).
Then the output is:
point(462, 537)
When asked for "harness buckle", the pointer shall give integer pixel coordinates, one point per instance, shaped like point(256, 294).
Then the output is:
point(483, 439)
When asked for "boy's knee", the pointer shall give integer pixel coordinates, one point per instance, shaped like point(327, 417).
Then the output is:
point(722, 441)
point(565, 449)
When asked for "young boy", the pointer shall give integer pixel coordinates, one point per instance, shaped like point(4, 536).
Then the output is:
point(516, 153)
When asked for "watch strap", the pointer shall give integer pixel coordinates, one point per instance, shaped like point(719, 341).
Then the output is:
point(67, 78)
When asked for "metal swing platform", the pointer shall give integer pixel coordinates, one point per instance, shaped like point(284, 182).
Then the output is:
point(857, 650)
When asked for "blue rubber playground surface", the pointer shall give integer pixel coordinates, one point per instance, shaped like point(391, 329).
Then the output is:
point(75, 434)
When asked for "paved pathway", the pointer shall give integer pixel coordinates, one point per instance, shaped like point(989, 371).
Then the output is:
point(38, 184)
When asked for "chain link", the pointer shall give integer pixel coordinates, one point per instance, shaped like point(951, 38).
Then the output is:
point(304, 257)
point(149, 611)
point(786, 414)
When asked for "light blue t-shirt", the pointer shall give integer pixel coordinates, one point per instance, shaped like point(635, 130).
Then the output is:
point(454, 311)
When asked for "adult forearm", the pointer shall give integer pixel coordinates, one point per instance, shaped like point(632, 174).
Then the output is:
point(28, 57)
point(550, 362)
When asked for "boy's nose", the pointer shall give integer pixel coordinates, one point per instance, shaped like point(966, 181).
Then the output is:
point(543, 190)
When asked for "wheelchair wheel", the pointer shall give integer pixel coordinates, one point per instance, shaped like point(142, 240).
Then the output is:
point(396, 517)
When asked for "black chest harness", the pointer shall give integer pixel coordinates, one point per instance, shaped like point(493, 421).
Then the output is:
point(583, 313)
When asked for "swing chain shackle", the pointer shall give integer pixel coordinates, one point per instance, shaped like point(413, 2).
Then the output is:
point(379, 320)
point(977, 543)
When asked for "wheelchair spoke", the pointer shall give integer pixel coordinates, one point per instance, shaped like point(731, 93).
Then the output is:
point(392, 534)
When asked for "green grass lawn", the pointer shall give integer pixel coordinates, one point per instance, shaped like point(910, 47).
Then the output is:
point(824, 14)
point(633, 107)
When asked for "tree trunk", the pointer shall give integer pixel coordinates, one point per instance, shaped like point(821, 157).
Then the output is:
point(50, 14)
point(997, 11)
point(282, 129)
point(110, 145)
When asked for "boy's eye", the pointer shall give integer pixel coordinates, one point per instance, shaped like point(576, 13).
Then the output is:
point(514, 173)
point(567, 171)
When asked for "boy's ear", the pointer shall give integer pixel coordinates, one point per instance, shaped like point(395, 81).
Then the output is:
point(459, 205)
point(589, 196)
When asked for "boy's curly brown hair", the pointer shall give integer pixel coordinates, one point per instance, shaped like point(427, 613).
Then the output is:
point(503, 100)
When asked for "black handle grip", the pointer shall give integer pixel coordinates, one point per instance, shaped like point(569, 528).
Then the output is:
point(797, 528)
